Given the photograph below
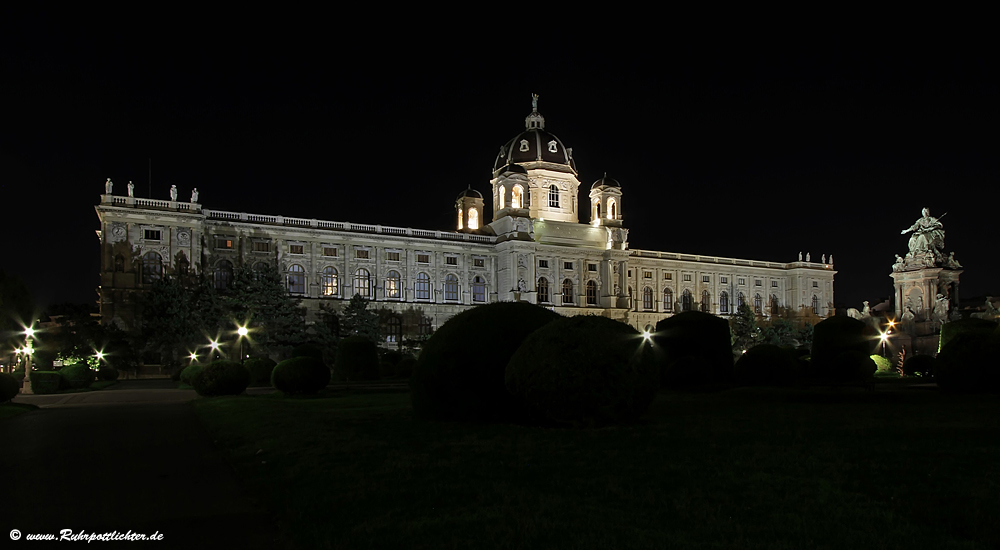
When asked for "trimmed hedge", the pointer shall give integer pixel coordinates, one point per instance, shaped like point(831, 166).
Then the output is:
point(300, 375)
point(766, 365)
point(76, 377)
point(688, 335)
point(260, 369)
point(189, 373)
point(951, 329)
point(584, 369)
point(357, 359)
point(45, 381)
point(456, 379)
point(883, 364)
point(222, 377)
point(924, 364)
point(308, 350)
point(837, 336)
point(969, 362)
point(404, 369)
point(9, 387)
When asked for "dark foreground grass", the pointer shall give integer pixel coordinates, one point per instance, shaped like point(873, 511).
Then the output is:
point(10, 410)
point(741, 469)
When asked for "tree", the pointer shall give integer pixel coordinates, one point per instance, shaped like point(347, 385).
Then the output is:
point(171, 323)
point(805, 335)
point(358, 321)
point(16, 308)
point(746, 334)
point(260, 299)
point(780, 332)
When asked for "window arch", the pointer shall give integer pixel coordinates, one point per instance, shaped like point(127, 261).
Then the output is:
point(647, 298)
point(553, 197)
point(516, 196)
point(740, 300)
point(392, 328)
point(259, 269)
point(543, 289)
point(757, 304)
point(393, 288)
point(723, 302)
point(502, 196)
point(686, 300)
point(478, 290)
point(363, 283)
point(612, 209)
point(422, 287)
point(473, 218)
point(668, 299)
point(815, 304)
point(567, 292)
point(774, 305)
point(591, 293)
point(706, 301)
point(296, 279)
point(595, 209)
point(329, 282)
point(460, 226)
point(223, 275)
point(152, 267)
point(120, 263)
point(451, 288)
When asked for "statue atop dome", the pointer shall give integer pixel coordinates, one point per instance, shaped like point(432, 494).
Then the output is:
point(534, 103)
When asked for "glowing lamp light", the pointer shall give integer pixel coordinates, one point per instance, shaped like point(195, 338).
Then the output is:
point(29, 351)
point(29, 332)
point(193, 356)
point(646, 335)
point(242, 331)
point(99, 355)
point(213, 344)
point(884, 336)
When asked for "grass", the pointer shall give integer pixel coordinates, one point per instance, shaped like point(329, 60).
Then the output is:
point(10, 410)
point(748, 468)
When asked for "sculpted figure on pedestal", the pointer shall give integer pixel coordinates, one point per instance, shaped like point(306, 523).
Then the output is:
point(131, 189)
point(928, 236)
point(108, 186)
point(173, 192)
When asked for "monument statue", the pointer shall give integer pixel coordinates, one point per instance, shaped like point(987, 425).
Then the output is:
point(940, 312)
point(808, 258)
point(824, 259)
point(194, 195)
point(831, 259)
point(899, 263)
point(131, 189)
point(928, 236)
point(108, 186)
point(173, 192)
point(800, 255)
point(952, 262)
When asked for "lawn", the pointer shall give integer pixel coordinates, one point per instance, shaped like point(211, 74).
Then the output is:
point(10, 410)
point(893, 468)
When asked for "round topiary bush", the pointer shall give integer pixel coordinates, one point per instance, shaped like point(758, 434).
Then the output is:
point(78, 376)
point(460, 372)
point(766, 365)
point(9, 387)
point(584, 370)
point(693, 334)
point(107, 374)
point(922, 364)
point(833, 338)
point(45, 381)
point(260, 369)
point(300, 375)
point(189, 372)
point(404, 369)
point(221, 377)
point(308, 350)
point(969, 362)
point(882, 364)
point(357, 359)
point(951, 329)
point(853, 366)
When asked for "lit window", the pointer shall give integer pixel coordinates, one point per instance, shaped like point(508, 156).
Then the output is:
point(451, 288)
point(422, 287)
point(392, 256)
point(151, 234)
point(223, 276)
point(363, 283)
point(502, 196)
point(392, 285)
point(223, 243)
point(329, 282)
point(329, 251)
point(543, 289)
point(473, 219)
point(668, 276)
point(567, 292)
point(724, 302)
point(361, 253)
point(612, 209)
point(451, 260)
point(460, 226)
point(686, 300)
point(706, 301)
point(478, 290)
point(152, 267)
point(706, 279)
point(757, 304)
point(516, 193)
point(668, 299)
point(423, 258)
point(647, 298)
point(261, 246)
point(591, 293)
point(543, 263)
point(553, 197)
point(479, 262)
point(296, 279)
point(687, 276)
point(647, 274)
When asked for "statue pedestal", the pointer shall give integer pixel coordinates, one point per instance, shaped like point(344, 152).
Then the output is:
point(916, 291)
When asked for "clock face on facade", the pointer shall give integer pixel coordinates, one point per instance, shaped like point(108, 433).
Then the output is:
point(183, 237)
point(118, 231)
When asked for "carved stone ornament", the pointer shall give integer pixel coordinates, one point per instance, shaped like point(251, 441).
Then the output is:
point(184, 237)
point(521, 261)
point(117, 232)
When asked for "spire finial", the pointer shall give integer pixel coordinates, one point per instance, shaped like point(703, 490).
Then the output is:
point(534, 103)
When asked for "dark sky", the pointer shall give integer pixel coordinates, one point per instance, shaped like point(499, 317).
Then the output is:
point(724, 145)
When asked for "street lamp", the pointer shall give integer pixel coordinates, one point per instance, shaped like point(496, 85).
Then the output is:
point(242, 332)
point(29, 333)
point(884, 336)
point(215, 347)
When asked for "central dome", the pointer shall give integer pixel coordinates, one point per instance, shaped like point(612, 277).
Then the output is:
point(535, 145)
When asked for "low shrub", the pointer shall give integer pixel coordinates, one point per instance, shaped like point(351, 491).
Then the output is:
point(222, 377)
point(766, 365)
point(969, 363)
point(45, 381)
point(693, 334)
point(357, 359)
point(9, 387)
point(76, 377)
point(971, 325)
point(107, 374)
point(837, 336)
point(851, 366)
point(300, 375)
point(308, 350)
point(189, 372)
point(919, 365)
point(260, 369)
point(881, 363)
point(583, 370)
point(451, 381)
point(404, 369)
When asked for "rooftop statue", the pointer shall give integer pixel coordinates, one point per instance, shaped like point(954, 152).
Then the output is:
point(928, 235)
point(108, 186)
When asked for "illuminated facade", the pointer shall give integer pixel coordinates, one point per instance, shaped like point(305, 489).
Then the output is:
point(535, 249)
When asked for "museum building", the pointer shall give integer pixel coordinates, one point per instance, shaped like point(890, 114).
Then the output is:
point(535, 249)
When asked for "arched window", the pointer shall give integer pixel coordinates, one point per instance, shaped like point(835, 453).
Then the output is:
point(296, 279)
point(706, 302)
point(422, 287)
point(119, 263)
point(478, 290)
point(259, 269)
point(392, 328)
point(757, 304)
point(451, 288)
point(815, 304)
point(473, 218)
point(567, 292)
point(612, 209)
point(647, 298)
point(723, 302)
point(686, 300)
point(393, 288)
point(595, 210)
point(516, 193)
point(543, 290)
point(668, 299)
point(152, 267)
point(774, 305)
point(502, 197)
point(329, 282)
point(182, 264)
point(223, 275)
point(740, 300)
point(363, 283)
point(460, 226)
point(591, 293)
point(553, 197)
point(527, 198)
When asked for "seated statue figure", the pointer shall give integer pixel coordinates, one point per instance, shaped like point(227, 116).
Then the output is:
point(928, 235)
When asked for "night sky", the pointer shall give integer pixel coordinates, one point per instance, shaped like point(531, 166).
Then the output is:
point(723, 145)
